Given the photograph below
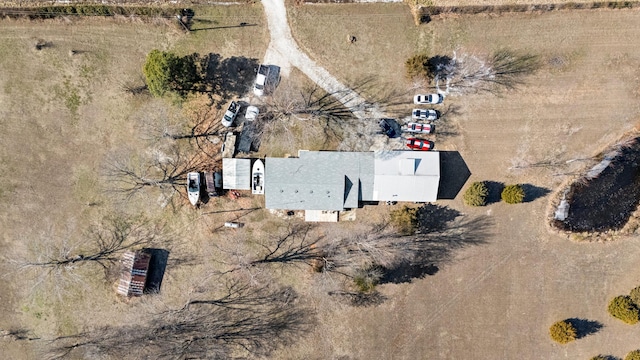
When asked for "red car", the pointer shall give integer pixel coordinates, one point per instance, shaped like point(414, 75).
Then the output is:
point(419, 144)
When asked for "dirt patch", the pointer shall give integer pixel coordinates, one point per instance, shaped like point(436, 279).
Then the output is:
point(606, 197)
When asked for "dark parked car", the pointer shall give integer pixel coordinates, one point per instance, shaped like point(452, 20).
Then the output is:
point(390, 127)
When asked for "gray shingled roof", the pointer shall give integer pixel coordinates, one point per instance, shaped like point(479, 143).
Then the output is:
point(318, 180)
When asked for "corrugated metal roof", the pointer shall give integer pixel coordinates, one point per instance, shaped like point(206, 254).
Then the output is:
point(134, 273)
point(406, 176)
point(236, 174)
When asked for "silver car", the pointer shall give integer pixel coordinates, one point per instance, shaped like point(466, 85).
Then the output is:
point(425, 114)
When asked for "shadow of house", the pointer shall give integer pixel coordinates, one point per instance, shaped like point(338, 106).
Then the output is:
point(532, 192)
point(157, 267)
point(454, 173)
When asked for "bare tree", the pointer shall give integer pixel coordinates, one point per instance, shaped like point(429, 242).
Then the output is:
point(102, 244)
point(129, 173)
point(465, 73)
point(308, 114)
point(250, 320)
point(293, 244)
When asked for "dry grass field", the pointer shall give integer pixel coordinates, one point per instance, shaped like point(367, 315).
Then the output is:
point(62, 115)
point(497, 300)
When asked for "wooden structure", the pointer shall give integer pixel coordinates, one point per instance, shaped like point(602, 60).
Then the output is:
point(134, 273)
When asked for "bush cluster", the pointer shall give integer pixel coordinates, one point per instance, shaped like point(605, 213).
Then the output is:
point(633, 355)
point(98, 10)
point(513, 194)
point(405, 220)
point(417, 66)
point(635, 296)
point(563, 332)
point(600, 357)
point(367, 278)
point(623, 308)
point(476, 194)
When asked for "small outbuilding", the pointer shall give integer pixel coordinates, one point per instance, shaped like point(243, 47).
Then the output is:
point(236, 174)
point(133, 276)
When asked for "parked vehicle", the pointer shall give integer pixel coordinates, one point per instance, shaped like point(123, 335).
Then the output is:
point(261, 80)
point(428, 99)
point(211, 183)
point(193, 187)
point(419, 144)
point(251, 113)
point(230, 114)
point(425, 114)
point(420, 128)
point(390, 127)
point(234, 225)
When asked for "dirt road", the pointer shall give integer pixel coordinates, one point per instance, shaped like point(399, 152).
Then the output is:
point(285, 53)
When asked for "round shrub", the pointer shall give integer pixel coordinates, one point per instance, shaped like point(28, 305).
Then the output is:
point(366, 279)
point(622, 307)
point(512, 194)
point(633, 355)
point(600, 357)
point(563, 332)
point(635, 296)
point(476, 194)
point(405, 220)
point(417, 66)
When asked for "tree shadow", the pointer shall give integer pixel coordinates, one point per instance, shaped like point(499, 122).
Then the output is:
point(532, 192)
point(406, 272)
point(437, 247)
point(454, 173)
point(432, 217)
point(585, 327)
point(445, 128)
point(157, 267)
point(251, 319)
point(241, 25)
point(439, 63)
point(228, 77)
point(495, 191)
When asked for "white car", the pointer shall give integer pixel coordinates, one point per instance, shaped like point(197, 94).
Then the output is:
point(252, 113)
point(419, 128)
point(428, 99)
point(261, 80)
point(425, 114)
point(230, 114)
